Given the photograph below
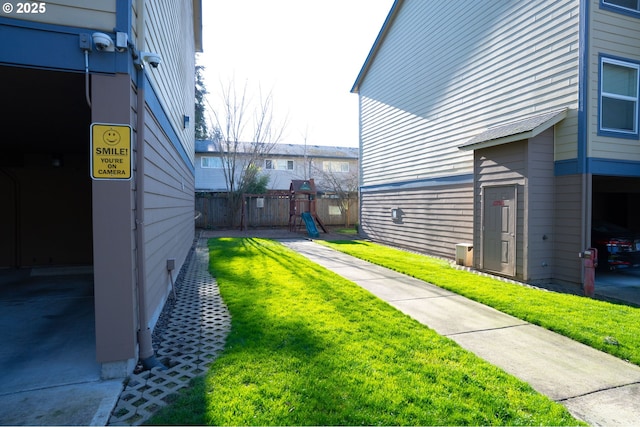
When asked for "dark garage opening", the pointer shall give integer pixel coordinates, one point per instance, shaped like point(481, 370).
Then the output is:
point(44, 172)
point(46, 256)
point(615, 233)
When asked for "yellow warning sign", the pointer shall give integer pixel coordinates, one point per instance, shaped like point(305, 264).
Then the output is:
point(110, 151)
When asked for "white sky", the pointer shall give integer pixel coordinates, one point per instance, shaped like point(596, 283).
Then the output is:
point(307, 52)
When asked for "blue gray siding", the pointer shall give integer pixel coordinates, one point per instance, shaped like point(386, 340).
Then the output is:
point(615, 35)
point(431, 219)
point(446, 71)
point(441, 74)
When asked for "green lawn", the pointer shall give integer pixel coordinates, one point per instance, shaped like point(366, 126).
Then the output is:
point(349, 231)
point(613, 328)
point(308, 347)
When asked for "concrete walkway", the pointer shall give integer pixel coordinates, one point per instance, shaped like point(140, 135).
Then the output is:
point(594, 386)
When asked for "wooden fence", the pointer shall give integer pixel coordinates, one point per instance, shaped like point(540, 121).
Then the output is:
point(267, 211)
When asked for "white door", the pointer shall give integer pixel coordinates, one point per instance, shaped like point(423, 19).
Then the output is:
point(499, 229)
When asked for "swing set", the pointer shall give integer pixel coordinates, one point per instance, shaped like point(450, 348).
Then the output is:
point(302, 196)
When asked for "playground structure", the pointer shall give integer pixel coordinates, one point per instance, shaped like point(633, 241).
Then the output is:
point(302, 207)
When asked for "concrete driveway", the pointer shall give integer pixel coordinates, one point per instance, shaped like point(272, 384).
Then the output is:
point(48, 361)
point(622, 285)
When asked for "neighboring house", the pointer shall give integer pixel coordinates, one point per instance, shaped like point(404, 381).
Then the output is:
point(99, 171)
point(284, 163)
point(511, 125)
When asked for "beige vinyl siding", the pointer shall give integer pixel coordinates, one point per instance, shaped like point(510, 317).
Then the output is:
point(528, 164)
point(169, 182)
point(446, 71)
point(166, 24)
point(433, 221)
point(567, 230)
point(566, 143)
point(503, 165)
point(617, 35)
point(94, 14)
point(169, 212)
point(540, 207)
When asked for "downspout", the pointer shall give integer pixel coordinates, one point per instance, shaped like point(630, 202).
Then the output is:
point(147, 354)
point(360, 174)
point(582, 130)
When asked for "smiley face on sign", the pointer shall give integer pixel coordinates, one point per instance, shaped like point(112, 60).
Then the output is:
point(110, 152)
point(111, 137)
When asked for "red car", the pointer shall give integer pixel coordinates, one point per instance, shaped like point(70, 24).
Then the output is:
point(617, 246)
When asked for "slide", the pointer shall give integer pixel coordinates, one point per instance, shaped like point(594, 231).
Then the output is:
point(311, 225)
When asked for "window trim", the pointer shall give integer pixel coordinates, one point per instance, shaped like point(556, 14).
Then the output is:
point(276, 162)
point(328, 166)
point(623, 63)
point(619, 9)
point(202, 159)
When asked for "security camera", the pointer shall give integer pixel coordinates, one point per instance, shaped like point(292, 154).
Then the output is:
point(152, 58)
point(103, 42)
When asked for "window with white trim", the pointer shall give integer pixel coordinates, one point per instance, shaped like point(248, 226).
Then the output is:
point(632, 5)
point(278, 164)
point(618, 96)
point(211, 163)
point(335, 166)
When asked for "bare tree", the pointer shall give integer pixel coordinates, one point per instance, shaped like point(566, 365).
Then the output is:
point(246, 132)
point(342, 185)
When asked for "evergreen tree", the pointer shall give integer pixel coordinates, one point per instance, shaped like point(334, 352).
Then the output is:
point(201, 127)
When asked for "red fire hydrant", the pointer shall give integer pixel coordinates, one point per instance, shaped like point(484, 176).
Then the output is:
point(589, 262)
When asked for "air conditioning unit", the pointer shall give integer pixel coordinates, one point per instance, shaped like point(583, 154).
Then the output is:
point(464, 254)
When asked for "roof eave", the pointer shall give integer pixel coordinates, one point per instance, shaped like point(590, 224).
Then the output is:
point(560, 115)
point(197, 25)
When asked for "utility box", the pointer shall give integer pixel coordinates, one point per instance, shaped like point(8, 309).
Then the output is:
point(464, 254)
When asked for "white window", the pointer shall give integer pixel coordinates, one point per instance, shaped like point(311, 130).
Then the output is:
point(335, 166)
point(279, 164)
point(623, 4)
point(618, 97)
point(211, 162)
